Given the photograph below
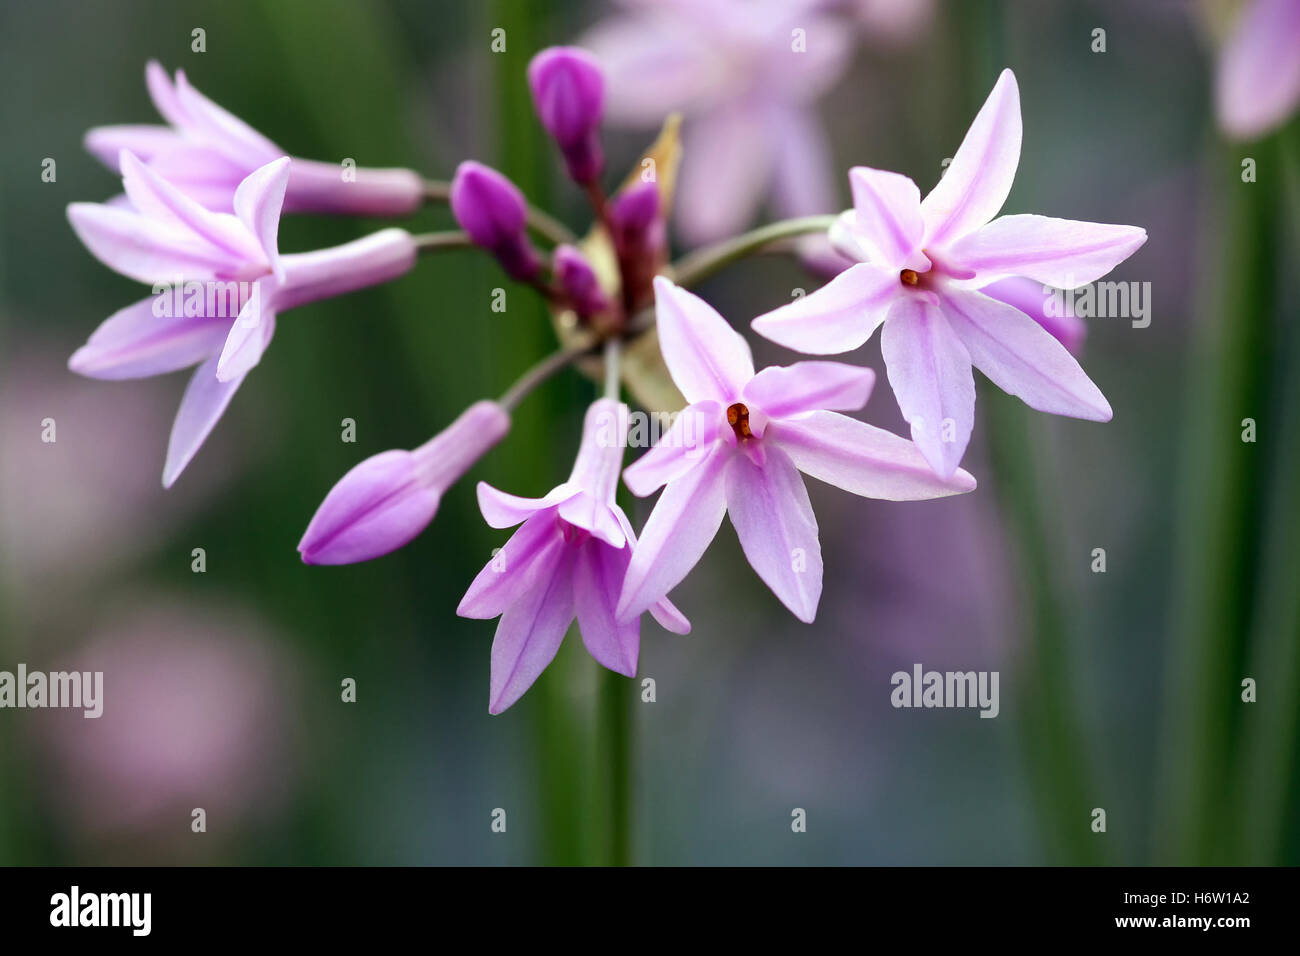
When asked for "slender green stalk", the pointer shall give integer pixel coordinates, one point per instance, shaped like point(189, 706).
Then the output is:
point(555, 362)
point(615, 698)
point(437, 241)
point(702, 263)
point(1217, 535)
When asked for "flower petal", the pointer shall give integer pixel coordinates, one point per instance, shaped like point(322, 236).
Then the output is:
point(156, 198)
point(887, 219)
point(930, 374)
point(1022, 358)
point(1065, 253)
point(663, 610)
point(501, 510)
point(803, 185)
point(106, 143)
point(981, 172)
point(683, 522)
point(258, 201)
point(691, 436)
point(838, 317)
point(221, 129)
point(597, 579)
point(514, 568)
point(531, 631)
point(201, 408)
point(774, 520)
point(781, 392)
point(706, 357)
point(250, 334)
point(135, 343)
point(862, 459)
point(144, 249)
point(1258, 83)
point(163, 93)
point(1032, 298)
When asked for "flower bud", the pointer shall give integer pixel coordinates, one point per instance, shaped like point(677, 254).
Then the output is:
point(578, 281)
point(569, 95)
point(384, 502)
point(640, 239)
point(492, 210)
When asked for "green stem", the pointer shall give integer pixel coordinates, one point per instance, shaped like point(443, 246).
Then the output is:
point(702, 263)
point(437, 241)
point(1217, 535)
point(615, 698)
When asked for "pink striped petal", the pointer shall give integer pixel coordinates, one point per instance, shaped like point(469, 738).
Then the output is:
point(106, 143)
point(249, 335)
point(221, 129)
point(838, 317)
point(514, 569)
point(163, 93)
point(1023, 358)
point(154, 197)
point(501, 510)
point(930, 374)
point(979, 177)
point(663, 611)
point(862, 459)
point(781, 392)
point(530, 633)
point(707, 358)
point(1065, 253)
point(887, 219)
point(692, 436)
point(134, 342)
point(257, 203)
point(684, 520)
point(597, 579)
point(774, 520)
point(144, 249)
point(201, 408)
point(1032, 298)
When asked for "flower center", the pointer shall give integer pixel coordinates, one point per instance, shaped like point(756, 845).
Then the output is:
point(738, 419)
point(909, 277)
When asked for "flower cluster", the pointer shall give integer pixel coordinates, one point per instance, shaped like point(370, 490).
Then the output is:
point(199, 221)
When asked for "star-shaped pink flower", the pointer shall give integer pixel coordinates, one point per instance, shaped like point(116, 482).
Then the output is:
point(921, 264)
point(738, 448)
point(567, 560)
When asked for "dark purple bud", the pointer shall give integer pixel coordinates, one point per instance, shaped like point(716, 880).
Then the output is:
point(579, 282)
point(569, 95)
point(635, 210)
point(640, 240)
point(492, 210)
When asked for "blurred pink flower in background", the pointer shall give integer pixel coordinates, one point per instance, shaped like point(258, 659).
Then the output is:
point(745, 75)
point(1258, 83)
point(198, 705)
point(890, 21)
point(81, 506)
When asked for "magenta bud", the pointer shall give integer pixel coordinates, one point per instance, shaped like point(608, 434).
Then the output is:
point(578, 281)
point(492, 210)
point(569, 94)
point(384, 502)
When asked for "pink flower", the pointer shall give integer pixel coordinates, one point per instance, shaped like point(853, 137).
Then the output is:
point(568, 559)
point(921, 266)
point(1258, 84)
point(738, 449)
point(744, 73)
point(384, 502)
point(219, 282)
point(206, 152)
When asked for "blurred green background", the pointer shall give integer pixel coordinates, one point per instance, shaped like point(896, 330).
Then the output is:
point(1119, 690)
